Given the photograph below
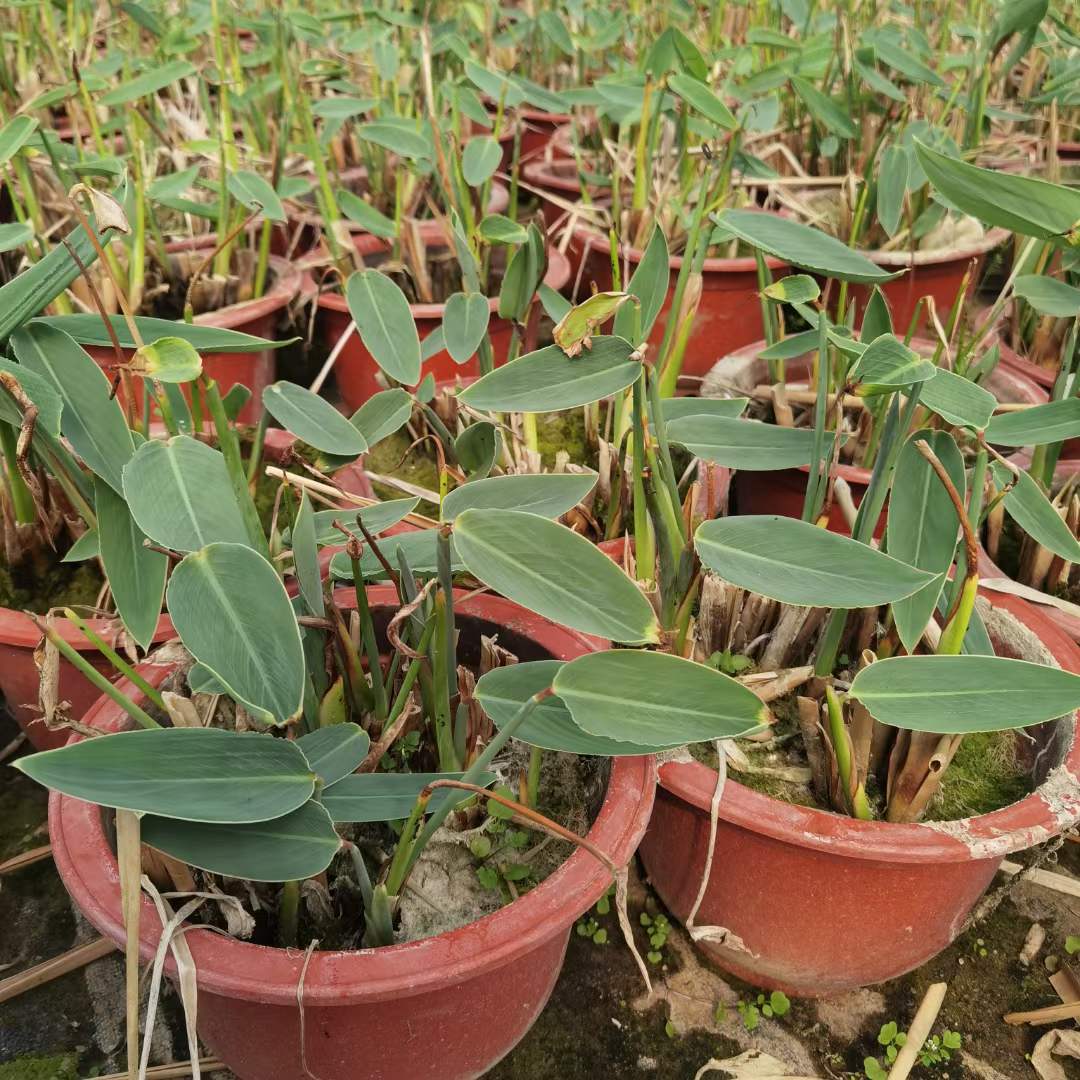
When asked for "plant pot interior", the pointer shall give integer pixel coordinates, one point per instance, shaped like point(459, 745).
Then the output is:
point(476, 864)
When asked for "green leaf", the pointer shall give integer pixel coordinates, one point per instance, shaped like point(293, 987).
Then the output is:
point(136, 574)
point(555, 30)
point(465, 322)
point(419, 549)
point(401, 138)
point(655, 699)
point(476, 448)
point(892, 185)
point(86, 547)
point(548, 380)
point(15, 235)
point(295, 847)
point(497, 86)
point(90, 330)
point(92, 420)
point(377, 518)
point(195, 774)
point(677, 407)
point(554, 572)
point(364, 797)
point(801, 245)
point(255, 193)
point(549, 495)
point(1052, 422)
point(649, 283)
point(1022, 204)
point(1048, 296)
point(480, 159)
point(305, 549)
point(700, 96)
point(180, 494)
point(922, 525)
point(150, 82)
point(1035, 514)
point(954, 695)
point(504, 690)
point(798, 563)
point(823, 109)
point(745, 444)
point(793, 289)
point(234, 616)
point(385, 324)
point(169, 359)
point(888, 52)
point(958, 400)
point(14, 136)
point(887, 361)
point(497, 229)
point(365, 215)
point(40, 390)
point(522, 277)
point(336, 751)
point(382, 414)
point(312, 419)
point(341, 107)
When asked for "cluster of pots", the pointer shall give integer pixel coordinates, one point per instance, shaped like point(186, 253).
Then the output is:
point(792, 884)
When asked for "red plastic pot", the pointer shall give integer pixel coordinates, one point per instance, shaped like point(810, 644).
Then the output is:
point(539, 133)
point(558, 177)
point(260, 317)
point(939, 274)
point(357, 374)
point(782, 491)
point(826, 903)
point(446, 1007)
point(728, 314)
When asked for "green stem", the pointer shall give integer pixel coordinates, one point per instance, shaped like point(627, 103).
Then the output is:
point(114, 658)
point(21, 499)
point(532, 780)
point(371, 647)
point(289, 914)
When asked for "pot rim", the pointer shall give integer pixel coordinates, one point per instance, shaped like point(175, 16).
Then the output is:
point(939, 256)
point(261, 973)
point(1053, 806)
point(556, 276)
point(285, 285)
point(18, 629)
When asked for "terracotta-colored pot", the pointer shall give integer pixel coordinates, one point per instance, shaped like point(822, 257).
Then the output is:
point(260, 317)
point(446, 1007)
point(558, 177)
point(357, 374)
point(19, 678)
point(782, 491)
point(539, 133)
point(939, 274)
point(728, 314)
point(825, 903)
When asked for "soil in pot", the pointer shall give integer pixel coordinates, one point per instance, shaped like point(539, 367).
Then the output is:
point(797, 878)
point(496, 972)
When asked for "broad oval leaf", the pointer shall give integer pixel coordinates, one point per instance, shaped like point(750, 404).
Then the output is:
point(701, 97)
point(382, 414)
point(922, 525)
point(150, 82)
point(234, 616)
point(14, 136)
point(15, 234)
point(366, 797)
point(180, 494)
point(675, 408)
point(40, 390)
point(958, 400)
point(476, 448)
point(798, 563)
point(254, 192)
point(553, 571)
point(169, 359)
point(465, 322)
point(92, 420)
point(377, 518)
point(136, 574)
point(887, 361)
point(1022, 204)
point(312, 419)
point(891, 188)
point(295, 847)
point(549, 495)
point(401, 138)
point(655, 699)
point(802, 246)
point(336, 751)
point(305, 550)
point(1054, 421)
point(498, 229)
point(1048, 296)
point(823, 109)
point(420, 549)
point(364, 214)
point(1035, 514)
point(745, 444)
point(194, 774)
point(385, 324)
point(793, 289)
point(504, 690)
point(90, 330)
point(480, 159)
point(964, 694)
point(649, 283)
point(548, 380)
